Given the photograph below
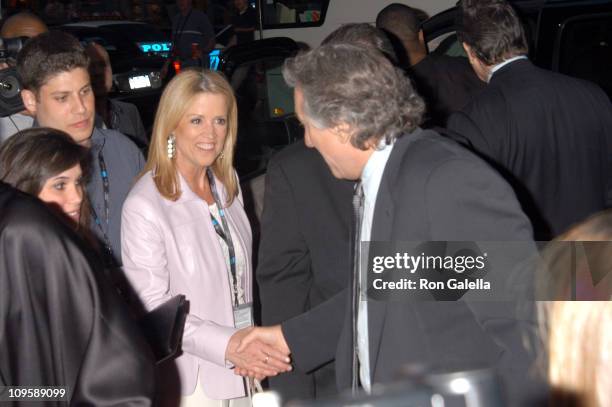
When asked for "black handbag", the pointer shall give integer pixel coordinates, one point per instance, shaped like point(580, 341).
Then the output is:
point(163, 327)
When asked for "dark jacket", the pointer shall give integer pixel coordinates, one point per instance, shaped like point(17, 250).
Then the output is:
point(304, 251)
point(432, 189)
point(446, 83)
point(550, 135)
point(61, 323)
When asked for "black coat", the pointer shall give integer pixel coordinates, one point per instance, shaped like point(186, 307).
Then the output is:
point(304, 252)
point(61, 323)
point(446, 83)
point(550, 135)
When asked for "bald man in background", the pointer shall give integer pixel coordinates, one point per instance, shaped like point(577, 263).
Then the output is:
point(110, 112)
point(18, 25)
point(446, 83)
point(22, 25)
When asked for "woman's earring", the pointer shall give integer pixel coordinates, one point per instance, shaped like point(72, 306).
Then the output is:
point(220, 156)
point(171, 146)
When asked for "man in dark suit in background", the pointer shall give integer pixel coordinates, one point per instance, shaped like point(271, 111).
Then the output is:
point(446, 83)
point(362, 116)
point(305, 232)
point(304, 251)
point(549, 134)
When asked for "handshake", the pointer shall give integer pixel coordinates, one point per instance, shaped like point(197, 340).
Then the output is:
point(259, 352)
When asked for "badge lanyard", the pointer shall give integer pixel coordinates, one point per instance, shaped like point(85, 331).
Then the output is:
point(224, 233)
point(106, 196)
point(243, 314)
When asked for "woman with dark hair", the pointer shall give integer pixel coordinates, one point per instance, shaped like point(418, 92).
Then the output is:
point(48, 164)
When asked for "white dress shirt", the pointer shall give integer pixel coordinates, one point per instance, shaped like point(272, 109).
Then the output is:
point(370, 181)
point(502, 64)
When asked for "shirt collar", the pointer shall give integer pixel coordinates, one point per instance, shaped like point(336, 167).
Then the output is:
point(187, 195)
point(504, 63)
point(374, 168)
point(97, 139)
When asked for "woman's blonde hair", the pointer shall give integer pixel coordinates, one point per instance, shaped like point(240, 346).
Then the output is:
point(175, 101)
point(580, 352)
point(579, 333)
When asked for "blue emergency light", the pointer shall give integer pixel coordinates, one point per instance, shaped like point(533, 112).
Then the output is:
point(155, 47)
point(213, 58)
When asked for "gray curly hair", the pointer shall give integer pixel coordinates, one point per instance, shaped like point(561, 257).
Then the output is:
point(344, 83)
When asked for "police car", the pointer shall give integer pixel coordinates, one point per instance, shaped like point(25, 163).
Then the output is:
point(137, 53)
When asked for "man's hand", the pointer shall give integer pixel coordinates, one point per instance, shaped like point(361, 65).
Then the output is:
point(271, 336)
point(255, 358)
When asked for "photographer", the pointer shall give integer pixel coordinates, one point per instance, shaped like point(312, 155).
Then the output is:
point(18, 25)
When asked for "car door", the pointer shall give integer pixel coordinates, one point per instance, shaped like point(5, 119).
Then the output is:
point(440, 34)
point(573, 38)
point(576, 40)
point(266, 119)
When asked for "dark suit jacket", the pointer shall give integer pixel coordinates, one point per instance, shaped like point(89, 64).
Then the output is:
point(432, 189)
point(551, 136)
point(125, 118)
point(446, 83)
point(304, 253)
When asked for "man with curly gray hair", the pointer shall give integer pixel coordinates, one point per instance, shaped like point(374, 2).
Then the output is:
point(362, 114)
point(296, 269)
point(373, 102)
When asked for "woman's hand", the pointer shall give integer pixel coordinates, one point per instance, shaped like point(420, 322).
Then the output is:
point(256, 359)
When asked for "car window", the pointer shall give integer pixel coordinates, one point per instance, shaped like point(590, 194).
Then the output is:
point(585, 49)
point(279, 96)
point(446, 44)
point(148, 38)
point(125, 39)
point(293, 13)
point(265, 113)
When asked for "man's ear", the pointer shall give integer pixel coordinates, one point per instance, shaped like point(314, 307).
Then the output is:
point(482, 70)
point(469, 52)
point(29, 101)
point(422, 38)
point(343, 130)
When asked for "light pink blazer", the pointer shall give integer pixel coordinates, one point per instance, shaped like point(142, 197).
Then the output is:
point(171, 248)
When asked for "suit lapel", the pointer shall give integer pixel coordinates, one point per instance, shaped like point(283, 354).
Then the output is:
point(382, 231)
point(383, 210)
point(377, 312)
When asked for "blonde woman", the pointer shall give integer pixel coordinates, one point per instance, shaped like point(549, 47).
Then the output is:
point(184, 231)
point(579, 333)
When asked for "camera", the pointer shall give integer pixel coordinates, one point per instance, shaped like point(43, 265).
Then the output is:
point(10, 47)
point(10, 87)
